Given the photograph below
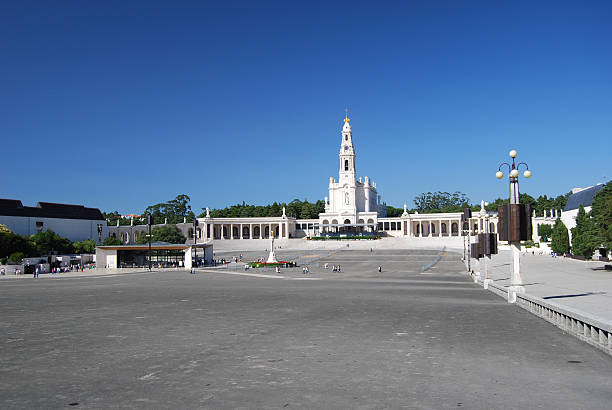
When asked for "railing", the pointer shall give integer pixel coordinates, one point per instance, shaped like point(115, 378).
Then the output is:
point(575, 323)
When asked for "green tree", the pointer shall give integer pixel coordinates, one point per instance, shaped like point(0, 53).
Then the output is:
point(545, 231)
point(16, 257)
point(165, 233)
point(47, 242)
point(585, 239)
point(560, 238)
point(175, 210)
point(602, 214)
point(111, 240)
point(11, 243)
point(393, 212)
point(86, 246)
point(430, 202)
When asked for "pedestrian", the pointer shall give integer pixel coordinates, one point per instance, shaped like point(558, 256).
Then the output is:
point(339, 270)
point(36, 271)
point(379, 268)
point(192, 271)
point(2, 272)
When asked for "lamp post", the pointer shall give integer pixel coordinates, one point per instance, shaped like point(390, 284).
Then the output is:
point(149, 223)
point(195, 240)
point(516, 282)
point(487, 277)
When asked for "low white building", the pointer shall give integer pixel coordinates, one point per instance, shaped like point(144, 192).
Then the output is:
point(75, 222)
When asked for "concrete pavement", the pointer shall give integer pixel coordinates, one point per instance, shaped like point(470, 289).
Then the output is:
point(356, 339)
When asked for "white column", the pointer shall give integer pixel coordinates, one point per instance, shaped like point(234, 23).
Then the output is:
point(241, 237)
point(270, 230)
point(260, 231)
point(250, 231)
point(231, 231)
point(430, 229)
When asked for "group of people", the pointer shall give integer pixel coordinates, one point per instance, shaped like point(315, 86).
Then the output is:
point(305, 270)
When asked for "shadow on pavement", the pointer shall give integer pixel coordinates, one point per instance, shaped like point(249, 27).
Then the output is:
point(575, 295)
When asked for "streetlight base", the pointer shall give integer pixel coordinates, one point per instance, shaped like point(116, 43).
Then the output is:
point(513, 290)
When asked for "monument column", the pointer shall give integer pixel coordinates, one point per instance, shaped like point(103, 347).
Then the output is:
point(241, 232)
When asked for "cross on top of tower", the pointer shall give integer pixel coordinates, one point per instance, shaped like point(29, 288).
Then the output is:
point(346, 118)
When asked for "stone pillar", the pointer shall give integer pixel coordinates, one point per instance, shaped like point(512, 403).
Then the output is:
point(271, 233)
point(221, 231)
point(231, 231)
point(251, 231)
point(241, 235)
point(260, 231)
point(430, 234)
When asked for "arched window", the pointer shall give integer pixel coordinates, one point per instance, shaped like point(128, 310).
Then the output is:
point(346, 165)
point(346, 137)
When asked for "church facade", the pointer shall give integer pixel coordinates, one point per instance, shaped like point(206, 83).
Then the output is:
point(352, 205)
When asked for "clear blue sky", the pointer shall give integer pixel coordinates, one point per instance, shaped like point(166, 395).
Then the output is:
point(119, 105)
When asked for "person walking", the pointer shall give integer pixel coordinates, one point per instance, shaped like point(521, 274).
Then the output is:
point(379, 268)
point(2, 272)
point(36, 272)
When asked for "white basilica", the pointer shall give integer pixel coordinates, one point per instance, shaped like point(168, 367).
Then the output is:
point(352, 205)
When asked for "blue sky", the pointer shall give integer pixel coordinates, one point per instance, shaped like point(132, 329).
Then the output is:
point(119, 105)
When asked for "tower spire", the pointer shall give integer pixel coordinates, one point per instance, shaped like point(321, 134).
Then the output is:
point(346, 118)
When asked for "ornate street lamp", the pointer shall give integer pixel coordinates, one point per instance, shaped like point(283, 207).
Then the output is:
point(513, 174)
point(514, 222)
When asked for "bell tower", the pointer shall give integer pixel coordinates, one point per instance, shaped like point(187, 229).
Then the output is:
point(347, 155)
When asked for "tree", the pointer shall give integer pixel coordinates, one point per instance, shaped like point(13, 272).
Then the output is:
point(165, 233)
point(175, 210)
point(48, 241)
point(16, 257)
point(11, 243)
point(584, 236)
point(440, 202)
point(111, 240)
point(560, 238)
point(393, 212)
point(4, 230)
point(86, 246)
point(602, 215)
point(545, 231)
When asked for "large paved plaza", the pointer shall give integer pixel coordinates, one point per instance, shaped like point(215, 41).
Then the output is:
point(354, 339)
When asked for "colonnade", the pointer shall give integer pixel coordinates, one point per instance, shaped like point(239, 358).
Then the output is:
point(253, 230)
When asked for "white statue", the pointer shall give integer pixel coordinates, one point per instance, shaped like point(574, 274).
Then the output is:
point(284, 215)
point(207, 212)
point(271, 256)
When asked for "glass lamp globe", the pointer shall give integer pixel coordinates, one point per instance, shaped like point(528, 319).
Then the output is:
point(513, 153)
point(514, 173)
point(527, 174)
point(499, 175)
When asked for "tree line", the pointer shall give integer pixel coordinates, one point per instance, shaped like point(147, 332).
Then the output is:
point(15, 247)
